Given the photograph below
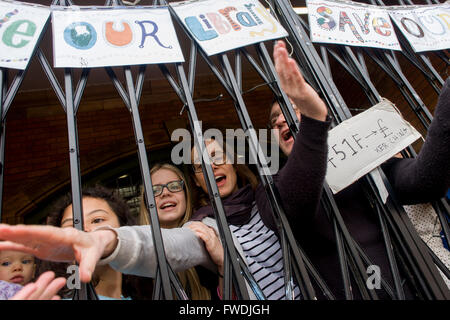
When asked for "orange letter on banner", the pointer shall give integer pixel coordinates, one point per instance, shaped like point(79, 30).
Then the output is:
point(118, 38)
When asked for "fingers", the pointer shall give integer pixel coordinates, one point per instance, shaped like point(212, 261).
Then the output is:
point(52, 289)
point(45, 288)
point(88, 260)
point(203, 231)
point(9, 245)
point(25, 292)
point(42, 284)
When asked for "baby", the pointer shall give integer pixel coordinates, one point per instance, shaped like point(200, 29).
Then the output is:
point(16, 270)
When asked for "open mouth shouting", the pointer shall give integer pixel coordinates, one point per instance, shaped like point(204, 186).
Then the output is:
point(221, 179)
point(286, 135)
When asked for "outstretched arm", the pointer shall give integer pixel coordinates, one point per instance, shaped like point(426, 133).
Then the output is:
point(135, 252)
point(59, 244)
point(427, 177)
point(127, 249)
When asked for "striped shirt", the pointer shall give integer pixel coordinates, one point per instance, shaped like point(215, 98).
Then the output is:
point(264, 257)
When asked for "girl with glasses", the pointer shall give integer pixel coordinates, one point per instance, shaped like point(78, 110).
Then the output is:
point(174, 206)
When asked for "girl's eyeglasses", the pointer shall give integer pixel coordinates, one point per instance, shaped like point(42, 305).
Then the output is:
point(172, 186)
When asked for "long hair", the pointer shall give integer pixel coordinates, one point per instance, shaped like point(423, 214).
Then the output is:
point(188, 278)
point(137, 288)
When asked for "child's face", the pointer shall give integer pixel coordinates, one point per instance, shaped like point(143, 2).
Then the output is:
point(16, 267)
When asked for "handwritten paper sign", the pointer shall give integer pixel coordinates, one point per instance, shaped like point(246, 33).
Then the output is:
point(21, 25)
point(84, 37)
point(351, 24)
point(363, 142)
point(220, 25)
point(425, 27)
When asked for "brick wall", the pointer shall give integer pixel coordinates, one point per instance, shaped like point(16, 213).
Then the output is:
point(36, 152)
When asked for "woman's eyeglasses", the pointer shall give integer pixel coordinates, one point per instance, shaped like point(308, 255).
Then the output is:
point(218, 159)
point(172, 186)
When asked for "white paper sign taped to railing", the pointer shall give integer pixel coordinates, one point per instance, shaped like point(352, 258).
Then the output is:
point(85, 37)
point(426, 28)
point(351, 24)
point(220, 25)
point(358, 145)
point(21, 25)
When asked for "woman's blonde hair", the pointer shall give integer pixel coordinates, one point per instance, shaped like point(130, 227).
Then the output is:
point(188, 278)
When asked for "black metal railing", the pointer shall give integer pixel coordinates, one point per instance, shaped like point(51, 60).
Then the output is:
point(404, 248)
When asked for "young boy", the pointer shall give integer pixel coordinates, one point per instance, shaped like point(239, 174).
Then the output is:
point(16, 270)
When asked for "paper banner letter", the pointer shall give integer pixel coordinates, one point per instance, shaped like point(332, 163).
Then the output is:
point(226, 13)
point(245, 19)
point(218, 23)
point(151, 34)
point(18, 30)
point(118, 38)
point(80, 35)
point(379, 24)
point(197, 29)
point(326, 21)
point(343, 20)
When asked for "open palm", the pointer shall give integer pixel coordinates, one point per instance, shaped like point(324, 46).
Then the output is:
point(55, 244)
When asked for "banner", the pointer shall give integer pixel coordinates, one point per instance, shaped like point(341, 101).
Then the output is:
point(351, 24)
point(86, 37)
point(360, 144)
point(21, 25)
point(425, 27)
point(221, 25)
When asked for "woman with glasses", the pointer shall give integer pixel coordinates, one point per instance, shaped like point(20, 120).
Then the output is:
point(131, 250)
point(174, 207)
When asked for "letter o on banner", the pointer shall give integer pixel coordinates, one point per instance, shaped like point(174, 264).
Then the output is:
point(410, 23)
point(80, 35)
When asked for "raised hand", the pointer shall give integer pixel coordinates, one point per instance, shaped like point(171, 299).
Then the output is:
point(60, 244)
point(295, 86)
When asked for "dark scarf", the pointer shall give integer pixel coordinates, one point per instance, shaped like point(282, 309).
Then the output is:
point(238, 207)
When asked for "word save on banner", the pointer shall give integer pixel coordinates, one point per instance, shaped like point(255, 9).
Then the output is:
point(220, 25)
point(360, 144)
point(351, 24)
point(114, 36)
point(21, 25)
point(426, 28)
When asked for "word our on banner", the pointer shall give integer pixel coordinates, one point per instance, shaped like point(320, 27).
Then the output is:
point(360, 144)
point(426, 28)
point(351, 24)
point(84, 37)
point(21, 25)
point(220, 25)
